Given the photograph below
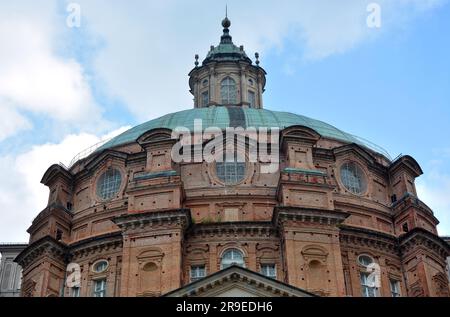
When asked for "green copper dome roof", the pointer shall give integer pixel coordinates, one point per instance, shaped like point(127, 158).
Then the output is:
point(223, 117)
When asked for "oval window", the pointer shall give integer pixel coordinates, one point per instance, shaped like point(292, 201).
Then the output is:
point(100, 266)
point(365, 260)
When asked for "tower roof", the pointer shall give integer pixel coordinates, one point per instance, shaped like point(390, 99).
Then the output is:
point(226, 50)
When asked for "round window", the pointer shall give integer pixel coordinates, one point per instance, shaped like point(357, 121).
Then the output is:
point(108, 184)
point(353, 178)
point(230, 172)
point(100, 266)
point(365, 260)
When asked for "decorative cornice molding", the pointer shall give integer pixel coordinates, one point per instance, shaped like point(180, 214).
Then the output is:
point(368, 238)
point(97, 244)
point(322, 216)
point(408, 163)
point(54, 209)
point(173, 218)
point(418, 236)
point(235, 274)
point(45, 245)
point(54, 171)
point(247, 228)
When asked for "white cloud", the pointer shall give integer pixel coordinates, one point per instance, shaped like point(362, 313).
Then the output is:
point(13, 121)
point(149, 46)
point(433, 188)
point(33, 78)
point(22, 196)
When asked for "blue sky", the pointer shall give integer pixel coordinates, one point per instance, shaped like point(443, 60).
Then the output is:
point(63, 89)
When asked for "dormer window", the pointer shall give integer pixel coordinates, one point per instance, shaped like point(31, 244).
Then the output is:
point(228, 91)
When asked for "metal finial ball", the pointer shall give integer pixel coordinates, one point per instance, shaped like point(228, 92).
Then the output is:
point(257, 58)
point(196, 59)
point(226, 23)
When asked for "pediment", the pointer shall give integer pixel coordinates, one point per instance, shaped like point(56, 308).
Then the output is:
point(408, 163)
point(236, 281)
point(155, 136)
point(357, 150)
point(54, 171)
point(104, 156)
point(300, 133)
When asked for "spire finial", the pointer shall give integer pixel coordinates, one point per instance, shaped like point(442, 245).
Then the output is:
point(257, 59)
point(226, 23)
point(196, 60)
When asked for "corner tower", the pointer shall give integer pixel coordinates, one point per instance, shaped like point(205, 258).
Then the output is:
point(227, 76)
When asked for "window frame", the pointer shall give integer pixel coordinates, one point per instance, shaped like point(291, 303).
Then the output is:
point(101, 291)
point(198, 268)
point(365, 256)
point(96, 263)
point(354, 179)
point(271, 265)
point(227, 265)
point(114, 184)
point(75, 291)
point(251, 101)
point(365, 288)
point(394, 286)
point(205, 98)
point(228, 87)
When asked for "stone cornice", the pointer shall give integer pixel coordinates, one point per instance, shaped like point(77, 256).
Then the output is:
point(44, 245)
point(321, 216)
point(234, 274)
point(179, 218)
point(54, 209)
point(54, 171)
point(419, 236)
point(368, 238)
point(408, 163)
point(246, 228)
point(96, 244)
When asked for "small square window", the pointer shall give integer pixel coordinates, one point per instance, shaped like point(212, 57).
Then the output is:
point(269, 270)
point(197, 272)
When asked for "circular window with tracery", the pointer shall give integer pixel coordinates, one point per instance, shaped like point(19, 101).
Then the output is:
point(353, 178)
point(108, 184)
point(231, 172)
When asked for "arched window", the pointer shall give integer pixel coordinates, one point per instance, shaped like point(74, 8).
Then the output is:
point(228, 91)
point(232, 257)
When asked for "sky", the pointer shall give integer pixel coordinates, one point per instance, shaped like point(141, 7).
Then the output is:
point(65, 87)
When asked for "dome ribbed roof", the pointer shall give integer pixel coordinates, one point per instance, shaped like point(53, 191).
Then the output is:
point(223, 117)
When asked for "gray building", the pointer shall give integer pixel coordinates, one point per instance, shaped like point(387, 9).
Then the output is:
point(10, 271)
